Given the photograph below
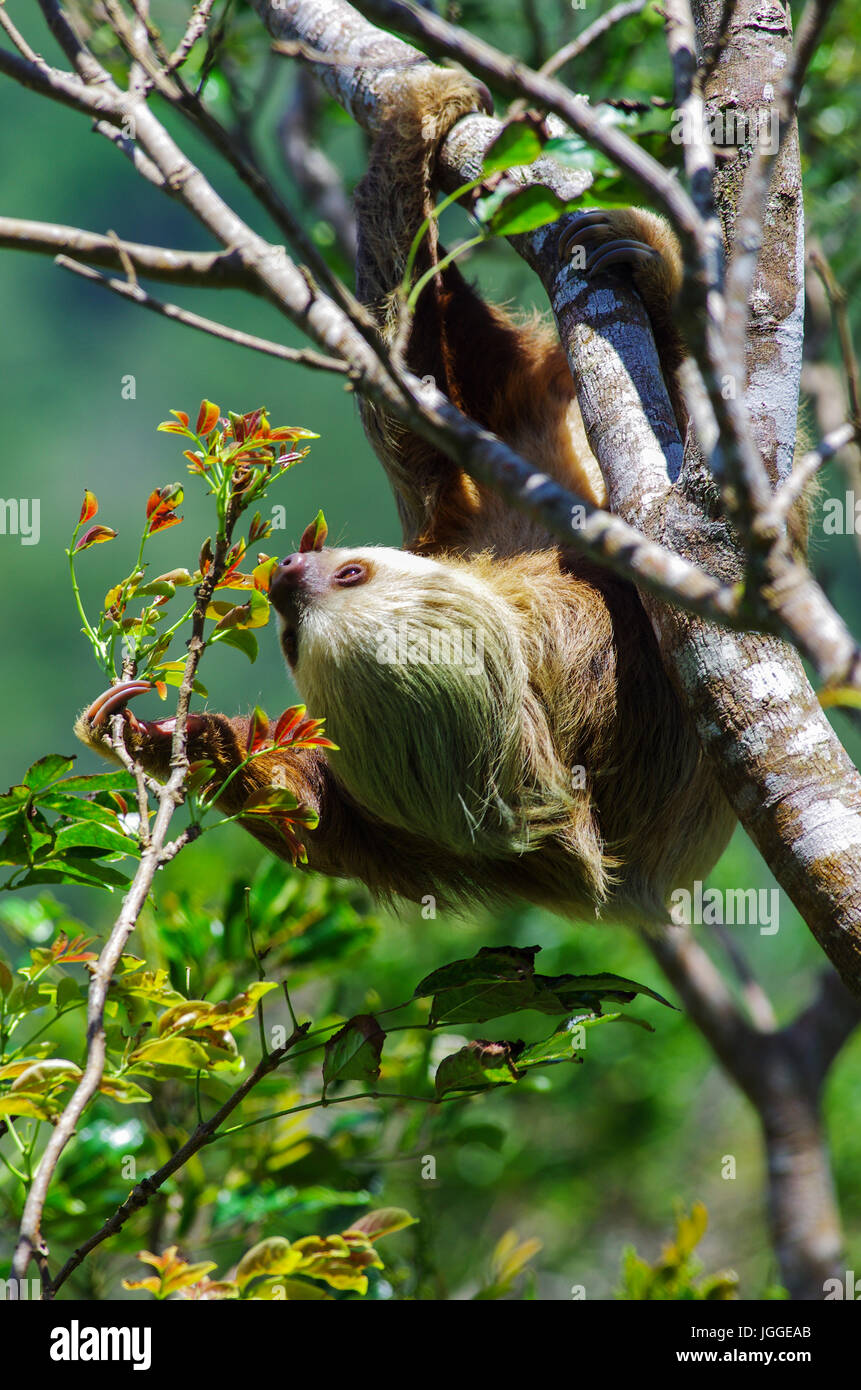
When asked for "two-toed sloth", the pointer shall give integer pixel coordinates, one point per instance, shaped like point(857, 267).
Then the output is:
point(504, 722)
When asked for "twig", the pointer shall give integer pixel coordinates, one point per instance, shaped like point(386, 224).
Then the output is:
point(134, 292)
point(839, 307)
point(30, 1243)
point(759, 1006)
point(195, 30)
point(317, 178)
point(808, 466)
point(205, 269)
point(569, 51)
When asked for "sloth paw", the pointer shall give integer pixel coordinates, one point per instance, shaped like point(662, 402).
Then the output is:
point(594, 235)
point(602, 238)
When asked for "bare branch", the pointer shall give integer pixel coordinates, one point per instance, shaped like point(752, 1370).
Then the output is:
point(195, 29)
point(316, 177)
point(203, 269)
point(134, 292)
point(808, 466)
point(594, 31)
point(839, 308)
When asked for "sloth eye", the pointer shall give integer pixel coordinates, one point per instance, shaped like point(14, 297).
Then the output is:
point(352, 573)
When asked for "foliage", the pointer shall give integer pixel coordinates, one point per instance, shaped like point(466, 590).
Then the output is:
point(677, 1274)
point(160, 1039)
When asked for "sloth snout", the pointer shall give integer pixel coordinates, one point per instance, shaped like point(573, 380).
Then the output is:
point(288, 581)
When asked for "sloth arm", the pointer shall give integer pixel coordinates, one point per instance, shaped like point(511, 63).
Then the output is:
point(513, 378)
point(346, 843)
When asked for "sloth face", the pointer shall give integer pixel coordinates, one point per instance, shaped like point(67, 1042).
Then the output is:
point(416, 665)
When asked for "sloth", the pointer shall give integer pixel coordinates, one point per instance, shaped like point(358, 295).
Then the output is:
point(504, 725)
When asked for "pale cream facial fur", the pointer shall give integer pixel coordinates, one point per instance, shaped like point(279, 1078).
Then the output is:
point(419, 674)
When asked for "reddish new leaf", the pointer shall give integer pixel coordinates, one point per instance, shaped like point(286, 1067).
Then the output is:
point(314, 535)
point(96, 535)
point(258, 730)
point(207, 417)
point(89, 507)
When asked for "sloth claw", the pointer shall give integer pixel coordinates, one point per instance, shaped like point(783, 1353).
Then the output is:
point(581, 228)
point(619, 253)
point(113, 699)
point(589, 231)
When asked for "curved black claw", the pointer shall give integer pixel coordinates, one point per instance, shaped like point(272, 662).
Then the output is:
point(582, 229)
point(619, 252)
point(588, 232)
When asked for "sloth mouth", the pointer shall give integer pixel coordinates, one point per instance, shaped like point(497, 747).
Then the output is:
point(290, 644)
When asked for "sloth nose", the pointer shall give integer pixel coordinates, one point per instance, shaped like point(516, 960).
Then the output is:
point(291, 571)
point(288, 582)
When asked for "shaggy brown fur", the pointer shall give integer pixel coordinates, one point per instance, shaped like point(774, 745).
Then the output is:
point(561, 768)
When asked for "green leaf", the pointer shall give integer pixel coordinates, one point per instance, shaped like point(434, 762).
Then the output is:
point(170, 1052)
point(511, 213)
point(12, 802)
point(24, 1105)
point(574, 151)
point(269, 1257)
point(274, 1289)
point(518, 143)
point(240, 637)
point(124, 1091)
point(353, 1054)
point(199, 1013)
point(79, 808)
point(93, 835)
point(47, 770)
point(477, 1065)
point(502, 980)
point(74, 869)
point(100, 782)
point(68, 992)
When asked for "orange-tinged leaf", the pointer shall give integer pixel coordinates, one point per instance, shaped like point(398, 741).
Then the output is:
point(207, 417)
point(261, 575)
point(162, 689)
point(96, 535)
point(293, 729)
point(292, 432)
point(162, 520)
point(181, 417)
point(289, 719)
point(259, 529)
point(314, 535)
point(258, 730)
point(382, 1222)
point(89, 507)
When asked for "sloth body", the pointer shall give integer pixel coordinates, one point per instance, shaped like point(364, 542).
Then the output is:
point(504, 723)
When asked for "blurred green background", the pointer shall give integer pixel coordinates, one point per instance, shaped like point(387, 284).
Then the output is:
point(588, 1159)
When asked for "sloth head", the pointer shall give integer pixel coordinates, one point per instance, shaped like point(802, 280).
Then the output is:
point(418, 668)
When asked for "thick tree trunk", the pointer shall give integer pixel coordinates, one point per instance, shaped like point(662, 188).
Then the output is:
point(802, 1207)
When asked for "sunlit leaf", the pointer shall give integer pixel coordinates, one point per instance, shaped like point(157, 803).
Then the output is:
point(96, 535)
